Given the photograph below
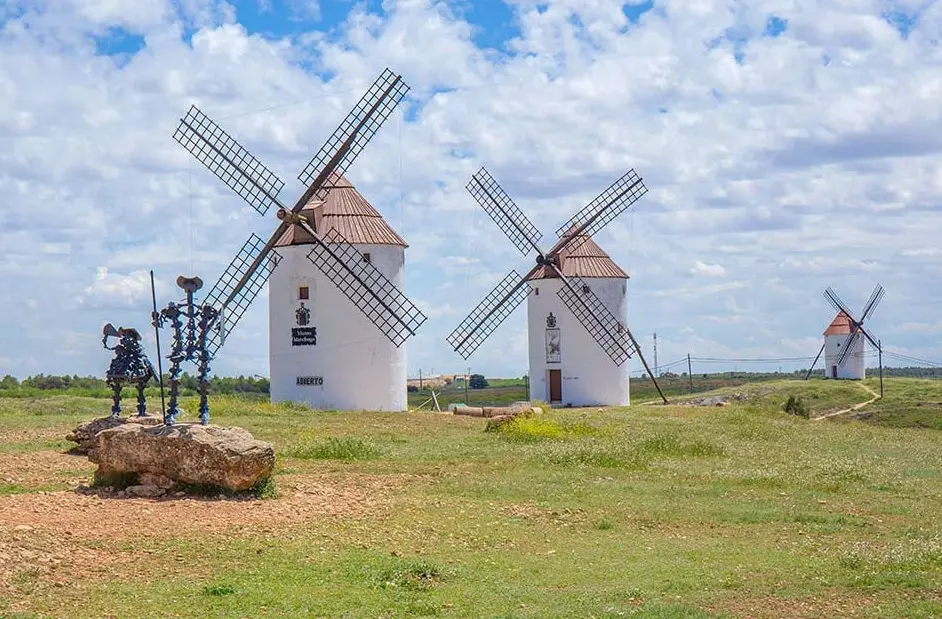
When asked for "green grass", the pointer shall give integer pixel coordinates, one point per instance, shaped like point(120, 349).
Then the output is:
point(648, 511)
point(335, 449)
point(907, 403)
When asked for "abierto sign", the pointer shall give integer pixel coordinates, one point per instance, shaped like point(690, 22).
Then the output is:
point(310, 381)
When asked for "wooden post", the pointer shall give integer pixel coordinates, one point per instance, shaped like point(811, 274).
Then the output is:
point(467, 381)
point(880, 352)
point(808, 375)
point(160, 369)
point(689, 374)
point(420, 379)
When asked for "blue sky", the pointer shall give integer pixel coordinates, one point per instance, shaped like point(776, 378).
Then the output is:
point(785, 148)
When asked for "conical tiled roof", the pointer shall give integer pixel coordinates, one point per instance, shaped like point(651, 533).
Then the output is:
point(586, 260)
point(841, 325)
point(348, 212)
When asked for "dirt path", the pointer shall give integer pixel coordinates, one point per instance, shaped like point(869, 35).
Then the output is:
point(855, 407)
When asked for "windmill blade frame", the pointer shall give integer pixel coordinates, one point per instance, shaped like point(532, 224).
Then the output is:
point(605, 207)
point(370, 291)
point(875, 297)
point(487, 315)
point(501, 208)
point(838, 304)
point(610, 334)
point(849, 342)
point(232, 301)
point(222, 155)
point(356, 130)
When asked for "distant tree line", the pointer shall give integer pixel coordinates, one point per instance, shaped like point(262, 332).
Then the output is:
point(217, 384)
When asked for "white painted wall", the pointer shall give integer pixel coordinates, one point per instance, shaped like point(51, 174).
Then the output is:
point(360, 367)
point(589, 376)
point(854, 366)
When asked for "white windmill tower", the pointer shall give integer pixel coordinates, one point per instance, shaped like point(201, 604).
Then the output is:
point(578, 335)
point(843, 348)
point(320, 351)
point(335, 250)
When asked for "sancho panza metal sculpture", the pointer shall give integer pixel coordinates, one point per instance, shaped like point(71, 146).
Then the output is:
point(129, 365)
point(189, 344)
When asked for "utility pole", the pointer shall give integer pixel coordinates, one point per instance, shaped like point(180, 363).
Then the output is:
point(420, 379)
point(689, 374)
point(655, 353)
point(880, 352)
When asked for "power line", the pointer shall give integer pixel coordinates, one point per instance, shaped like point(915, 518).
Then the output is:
point(913, 359)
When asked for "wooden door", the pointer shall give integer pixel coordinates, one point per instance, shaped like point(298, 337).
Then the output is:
point(833, 371)
point(556, 385)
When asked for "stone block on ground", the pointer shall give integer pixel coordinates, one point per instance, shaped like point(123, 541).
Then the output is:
point(84, 434)
point(228, 458)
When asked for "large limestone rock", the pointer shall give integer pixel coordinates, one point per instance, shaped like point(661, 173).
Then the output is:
point(85, 433)
point(229, 458)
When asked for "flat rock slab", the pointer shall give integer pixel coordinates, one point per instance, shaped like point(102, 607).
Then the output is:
point(228, 458)
point(84, 434)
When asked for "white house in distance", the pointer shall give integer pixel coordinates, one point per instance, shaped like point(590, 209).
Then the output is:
point(322, 349)
point(835, 336)
point(567, 366)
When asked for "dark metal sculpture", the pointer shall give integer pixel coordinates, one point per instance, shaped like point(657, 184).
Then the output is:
point(616, 340)
point(192, 325)
point(129, 365)
point(370, 291)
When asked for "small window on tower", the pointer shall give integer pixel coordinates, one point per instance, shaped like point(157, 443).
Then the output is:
point(366, 257)
point(585, 288)
point(303, 293)
point(536, 291)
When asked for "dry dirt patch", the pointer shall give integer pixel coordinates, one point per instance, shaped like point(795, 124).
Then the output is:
point(834, 603)
point(42, 468)
point(303, 497)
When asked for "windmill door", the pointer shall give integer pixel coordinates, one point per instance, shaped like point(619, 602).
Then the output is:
point(833, 371)
point(556, 385)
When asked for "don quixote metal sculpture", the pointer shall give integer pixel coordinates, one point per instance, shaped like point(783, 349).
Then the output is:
point(129, 365)
point(192, 325)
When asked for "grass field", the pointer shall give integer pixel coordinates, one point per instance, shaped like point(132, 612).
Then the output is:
point(650, 512)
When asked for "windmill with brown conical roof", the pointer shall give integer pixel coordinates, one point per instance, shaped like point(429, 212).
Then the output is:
point(576, 295)
point(844, 347)
point(338, 313)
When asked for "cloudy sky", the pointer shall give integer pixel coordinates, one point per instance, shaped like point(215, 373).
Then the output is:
point(787, 145)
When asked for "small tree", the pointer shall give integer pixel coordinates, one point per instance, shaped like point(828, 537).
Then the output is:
point(477, 381)
point(9, 382)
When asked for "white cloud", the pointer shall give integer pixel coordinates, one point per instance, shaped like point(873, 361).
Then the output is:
point(707, 270)
point(114, 289)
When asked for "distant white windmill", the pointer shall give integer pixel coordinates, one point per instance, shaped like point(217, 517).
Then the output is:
point(843, 348)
